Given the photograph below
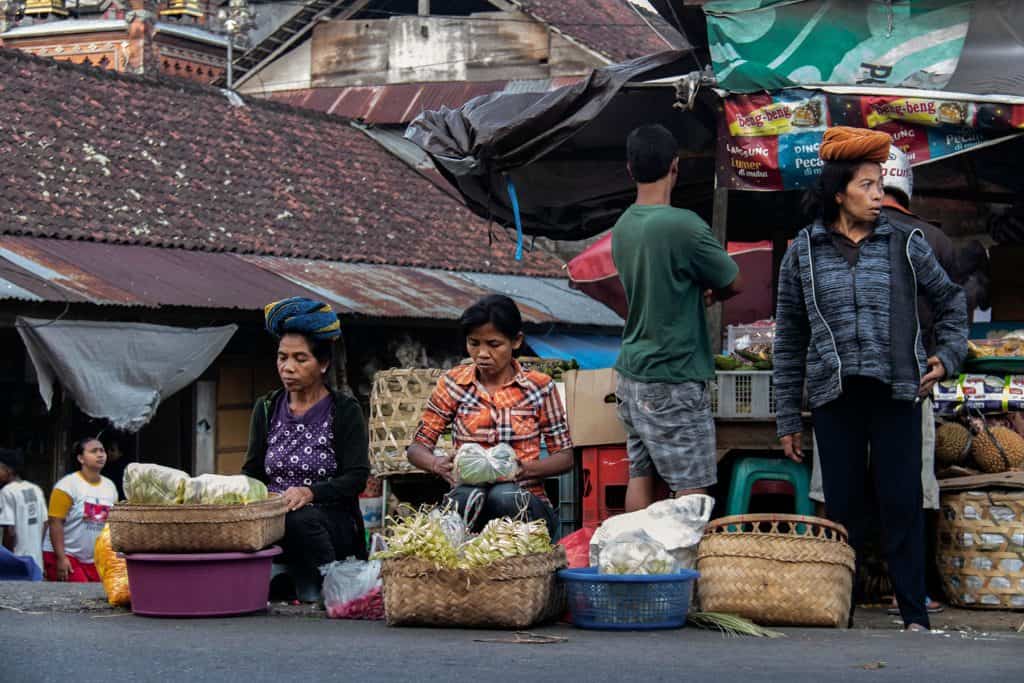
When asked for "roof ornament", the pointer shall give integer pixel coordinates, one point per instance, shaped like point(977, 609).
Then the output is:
point(11, 12)
point(237, 20)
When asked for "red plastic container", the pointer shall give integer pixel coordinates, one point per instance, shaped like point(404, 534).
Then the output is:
point(199, 585)
point(605, 476)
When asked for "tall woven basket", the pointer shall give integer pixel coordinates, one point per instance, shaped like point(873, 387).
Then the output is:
point(397, 400)
point(513, 593)
point(777, 570)
point(197, 528)
point(981, 549)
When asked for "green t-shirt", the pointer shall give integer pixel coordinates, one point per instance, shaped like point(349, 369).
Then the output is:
point(667, 258)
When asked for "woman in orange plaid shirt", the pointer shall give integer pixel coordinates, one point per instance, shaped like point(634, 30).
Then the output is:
point(494, 401)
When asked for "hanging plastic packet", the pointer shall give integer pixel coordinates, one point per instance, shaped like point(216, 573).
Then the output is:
point(478, 466)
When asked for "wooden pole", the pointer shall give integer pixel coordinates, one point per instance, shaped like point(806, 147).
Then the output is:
point(719, 223)
point(424, 8)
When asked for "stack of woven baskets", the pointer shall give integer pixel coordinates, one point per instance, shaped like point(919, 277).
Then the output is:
point(198, 560)
point(781, 570)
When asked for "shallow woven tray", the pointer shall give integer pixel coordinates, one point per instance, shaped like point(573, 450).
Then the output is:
point(514, 593)
point(782, 570)
point(197, 528)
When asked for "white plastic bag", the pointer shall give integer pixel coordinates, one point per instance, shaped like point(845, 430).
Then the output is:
point(352, 589)
point(149, 484)
point(677, 524)
point(477, 465)
point(635, 552)
point(220, 489)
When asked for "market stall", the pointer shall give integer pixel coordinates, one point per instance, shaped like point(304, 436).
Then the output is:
point(750, 126)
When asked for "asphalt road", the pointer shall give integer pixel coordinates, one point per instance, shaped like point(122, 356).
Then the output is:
point(110, 648)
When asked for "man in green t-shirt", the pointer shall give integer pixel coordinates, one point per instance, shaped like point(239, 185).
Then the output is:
point(671, 267)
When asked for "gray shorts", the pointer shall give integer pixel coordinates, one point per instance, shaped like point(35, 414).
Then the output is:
point(669, 431)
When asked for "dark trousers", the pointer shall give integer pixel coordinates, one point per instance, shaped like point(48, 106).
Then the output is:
point(319, 534)
point(867, 415)
point(505, 500)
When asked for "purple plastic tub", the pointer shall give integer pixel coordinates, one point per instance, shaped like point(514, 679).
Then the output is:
point(200, 584)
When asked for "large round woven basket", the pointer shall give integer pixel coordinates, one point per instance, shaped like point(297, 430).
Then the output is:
point(197, 528)
point(513, 593)
point(397, 400)
point(778, 570)
point(981, 548)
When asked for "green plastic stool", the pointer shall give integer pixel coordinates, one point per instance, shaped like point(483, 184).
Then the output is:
point(748, 471)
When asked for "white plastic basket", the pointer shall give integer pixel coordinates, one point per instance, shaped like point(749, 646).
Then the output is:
point(743, 394)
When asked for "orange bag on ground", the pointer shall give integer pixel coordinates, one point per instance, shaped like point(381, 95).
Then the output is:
point(113, 571)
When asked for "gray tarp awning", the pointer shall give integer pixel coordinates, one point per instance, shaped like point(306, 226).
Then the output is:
point(564, 150)
point(119, 371)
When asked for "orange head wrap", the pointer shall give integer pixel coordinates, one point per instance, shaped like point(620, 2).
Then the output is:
point(843, 143)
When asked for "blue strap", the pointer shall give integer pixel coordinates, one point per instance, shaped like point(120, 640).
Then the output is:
point(519, 220)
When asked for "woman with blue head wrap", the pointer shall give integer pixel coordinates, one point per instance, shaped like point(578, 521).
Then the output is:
point(309, 444)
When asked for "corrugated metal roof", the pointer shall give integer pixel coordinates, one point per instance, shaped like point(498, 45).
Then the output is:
point(38, 269)
point(400, 103)
point(128, 275)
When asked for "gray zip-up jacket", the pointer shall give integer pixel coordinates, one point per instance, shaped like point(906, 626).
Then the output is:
point(834, 321)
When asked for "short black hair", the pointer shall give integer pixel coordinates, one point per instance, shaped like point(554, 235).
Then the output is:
point(650, 151)
point(819, 203)
point(497, 309)
point(13, 458)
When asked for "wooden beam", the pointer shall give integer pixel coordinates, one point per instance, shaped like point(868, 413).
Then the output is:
point(719, 223)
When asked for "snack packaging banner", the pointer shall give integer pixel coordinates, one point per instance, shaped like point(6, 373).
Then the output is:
point(991, 393)
point(771, 141)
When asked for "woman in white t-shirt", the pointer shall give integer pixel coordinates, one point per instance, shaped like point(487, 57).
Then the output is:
point(78, 510)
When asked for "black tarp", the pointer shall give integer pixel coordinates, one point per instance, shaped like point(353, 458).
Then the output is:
point(564, 151)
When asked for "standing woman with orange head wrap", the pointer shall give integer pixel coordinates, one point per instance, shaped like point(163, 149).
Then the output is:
point(848, 326)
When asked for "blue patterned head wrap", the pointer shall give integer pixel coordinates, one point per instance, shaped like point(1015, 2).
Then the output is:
point(314, 319)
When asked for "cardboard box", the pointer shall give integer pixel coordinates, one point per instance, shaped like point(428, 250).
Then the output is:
point(590, 404)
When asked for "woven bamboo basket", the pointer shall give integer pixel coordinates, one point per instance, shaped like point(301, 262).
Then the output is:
point(397, 400)
point(514, 593)
point(981, 549)
point(197, 528)
point(777, 570)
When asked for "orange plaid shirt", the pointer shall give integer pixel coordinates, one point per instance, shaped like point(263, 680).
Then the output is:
point(519, 414)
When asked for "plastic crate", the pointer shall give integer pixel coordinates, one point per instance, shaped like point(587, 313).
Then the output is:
point(743, 394)
point(563, 491)
point(628, 602)
point(605, 475)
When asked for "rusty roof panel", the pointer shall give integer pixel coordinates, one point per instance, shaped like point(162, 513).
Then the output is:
point(128, 275)
point(384, 291)
point(39, 269)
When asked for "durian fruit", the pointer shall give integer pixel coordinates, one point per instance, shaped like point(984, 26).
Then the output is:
point(952, 444)
point(987, 456)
